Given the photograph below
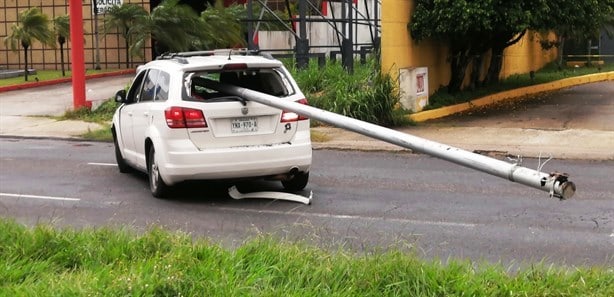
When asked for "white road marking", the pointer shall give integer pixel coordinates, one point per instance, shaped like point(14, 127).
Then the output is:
point(102, 164)
point(354, 217)
point(39, 197)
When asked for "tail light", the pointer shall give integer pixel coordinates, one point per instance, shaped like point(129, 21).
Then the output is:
point(290, 116)
point(181, 117)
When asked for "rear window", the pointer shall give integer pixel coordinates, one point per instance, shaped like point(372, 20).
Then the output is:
point(201, 85)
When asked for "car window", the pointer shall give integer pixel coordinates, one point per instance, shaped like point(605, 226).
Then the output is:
point(148, 92)
point(268, 81)
point(135, 89)
point(163, 83)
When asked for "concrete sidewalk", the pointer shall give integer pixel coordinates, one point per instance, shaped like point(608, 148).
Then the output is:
point(585, 132)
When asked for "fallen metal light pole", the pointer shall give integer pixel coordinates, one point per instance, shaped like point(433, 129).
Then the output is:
point(556, 184)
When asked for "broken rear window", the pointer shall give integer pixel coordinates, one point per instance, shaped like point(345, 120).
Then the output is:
point(271, 81)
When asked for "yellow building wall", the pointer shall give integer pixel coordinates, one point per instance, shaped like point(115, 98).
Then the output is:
point(399, 50)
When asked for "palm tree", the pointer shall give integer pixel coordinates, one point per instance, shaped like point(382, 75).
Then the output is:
point(177, 27)
point(123, 18)
point(32, 24)
point(222, 26)
point(61, 27)
point(173, 26)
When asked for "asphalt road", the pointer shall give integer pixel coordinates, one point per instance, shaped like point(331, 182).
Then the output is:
point(362, 201)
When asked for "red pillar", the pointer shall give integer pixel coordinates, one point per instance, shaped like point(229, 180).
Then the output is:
point(77, 53)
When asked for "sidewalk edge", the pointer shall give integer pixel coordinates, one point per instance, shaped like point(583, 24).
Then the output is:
point(63, 80)
point(509, 95)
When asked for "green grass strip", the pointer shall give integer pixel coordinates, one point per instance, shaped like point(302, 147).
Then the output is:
point(45, 261)
point(44, 75)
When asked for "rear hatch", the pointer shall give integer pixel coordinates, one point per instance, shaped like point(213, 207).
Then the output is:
point(233, 121)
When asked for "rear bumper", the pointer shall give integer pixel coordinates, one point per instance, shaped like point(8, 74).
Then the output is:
point(241, 162)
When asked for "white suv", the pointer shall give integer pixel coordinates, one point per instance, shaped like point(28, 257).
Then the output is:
point(175, 125)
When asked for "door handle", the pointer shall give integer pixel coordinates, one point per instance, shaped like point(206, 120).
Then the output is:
point(146, 113)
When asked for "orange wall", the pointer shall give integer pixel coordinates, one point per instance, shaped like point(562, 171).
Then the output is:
point(400, 51)
point(112, 46)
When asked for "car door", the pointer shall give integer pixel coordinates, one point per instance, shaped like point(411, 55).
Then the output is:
point(126, 117)
point(144, 111)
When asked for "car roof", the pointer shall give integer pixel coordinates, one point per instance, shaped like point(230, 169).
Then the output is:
point(211, 62)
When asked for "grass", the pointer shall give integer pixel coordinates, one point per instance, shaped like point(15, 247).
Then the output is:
point(46, 261)
point(42, 75)
point(547, 74)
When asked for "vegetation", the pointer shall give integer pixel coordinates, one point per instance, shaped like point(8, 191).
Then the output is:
point(45, 261)
point(120, 18)
point(61, 28)
point(551, 72)
point(32, 25)
point(102, 114)
point(574, 20)
point(223, 27)
point(473, 28)
point(174, 27)
point(43, 75)
point(368, 94)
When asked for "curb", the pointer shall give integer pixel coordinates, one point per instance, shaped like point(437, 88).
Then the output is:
point(509, 95)
point(63, 80)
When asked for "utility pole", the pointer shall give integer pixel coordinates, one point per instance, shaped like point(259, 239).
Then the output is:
point(302, 43)
point(76, 53)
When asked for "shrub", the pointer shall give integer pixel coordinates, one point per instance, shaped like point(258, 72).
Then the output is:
point(368, 94)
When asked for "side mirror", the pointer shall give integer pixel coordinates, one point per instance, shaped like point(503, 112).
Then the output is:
point(120, 96)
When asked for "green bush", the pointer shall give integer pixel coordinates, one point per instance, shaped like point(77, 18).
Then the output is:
point(368, 94)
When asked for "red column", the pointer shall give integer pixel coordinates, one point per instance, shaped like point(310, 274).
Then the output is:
point(77, 53)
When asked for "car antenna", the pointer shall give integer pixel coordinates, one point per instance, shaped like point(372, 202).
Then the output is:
point(229, 53)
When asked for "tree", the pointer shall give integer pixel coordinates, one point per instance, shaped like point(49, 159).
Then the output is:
point(61, 27)
point(173, 26)
point(573, 19)
point(121, 18)
point(176, 27)
point(32, 25)
point(510, 21)
point(471, 28)
point(460, 24)
point(222, 26)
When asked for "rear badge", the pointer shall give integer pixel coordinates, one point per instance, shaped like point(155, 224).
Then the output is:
point(244, 110)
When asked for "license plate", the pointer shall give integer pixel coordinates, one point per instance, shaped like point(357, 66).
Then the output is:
point(241, 125)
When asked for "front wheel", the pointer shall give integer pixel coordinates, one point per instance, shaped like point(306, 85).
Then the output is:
point(297, 182)
point(158, 187)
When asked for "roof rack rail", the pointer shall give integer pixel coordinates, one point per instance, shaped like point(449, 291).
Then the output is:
point(231, 51)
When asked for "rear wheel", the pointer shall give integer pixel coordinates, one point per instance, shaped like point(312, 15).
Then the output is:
point(121, 162)
point(297, 182)
point(158, 187)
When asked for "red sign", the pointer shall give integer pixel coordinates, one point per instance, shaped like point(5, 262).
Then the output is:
point(420, 83)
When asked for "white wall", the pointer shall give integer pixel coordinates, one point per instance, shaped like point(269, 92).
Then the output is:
point(323, 33)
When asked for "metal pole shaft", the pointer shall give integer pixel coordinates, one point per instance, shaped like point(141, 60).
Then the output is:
point(554, 183)
point(96, 46)
point(76, 53)
point(250, 26)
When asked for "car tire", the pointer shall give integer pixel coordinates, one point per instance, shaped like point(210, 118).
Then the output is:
point(121, 162)
point(297, 183)
point(158, 187)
